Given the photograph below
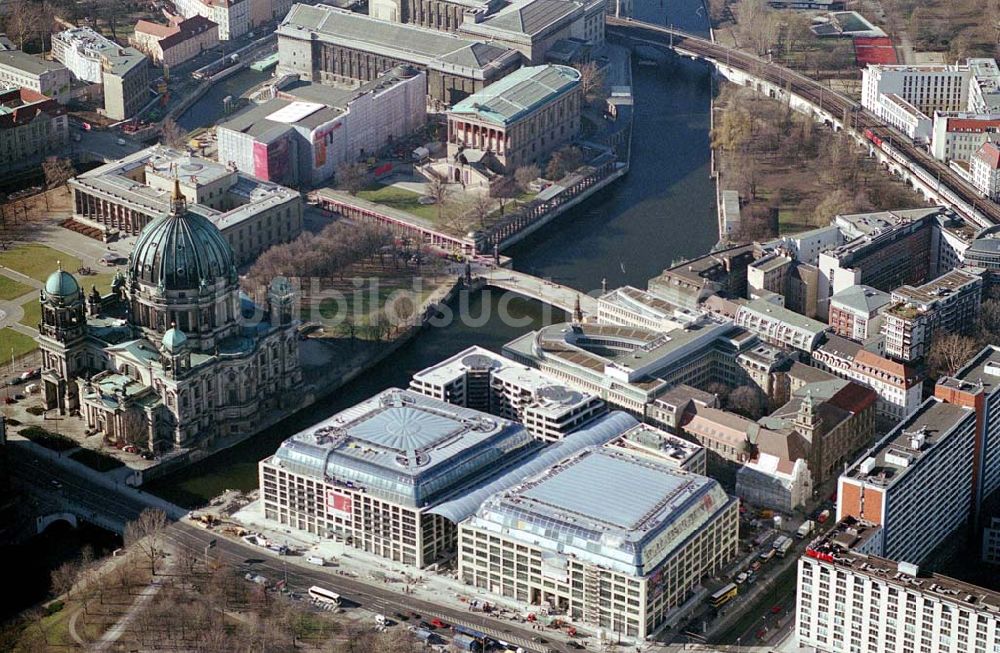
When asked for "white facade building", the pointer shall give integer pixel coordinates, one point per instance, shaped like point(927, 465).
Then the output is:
point(479, 379)
point(628, 306)
point(852, 602)
point(985, 169)
point(780, 326)
point(621, 556)
point(926, 88)
point(50, 78)
point(905, 117)
point(958, 134)
point(232, 16)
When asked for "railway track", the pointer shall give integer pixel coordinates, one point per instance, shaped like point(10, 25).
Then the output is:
point(891, 141)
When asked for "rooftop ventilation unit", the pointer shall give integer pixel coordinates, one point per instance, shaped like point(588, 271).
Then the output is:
point(867, 465)
point(908, 568)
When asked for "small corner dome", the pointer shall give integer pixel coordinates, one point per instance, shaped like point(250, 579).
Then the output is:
point(62, 285)
point(173, 339)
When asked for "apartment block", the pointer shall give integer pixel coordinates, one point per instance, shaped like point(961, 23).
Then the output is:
point(855, 312)
point(32, 127)
point(232, 16)
point(48, 78)
point(950, 303)
point(780, 326)
point(916, 482)
point(852, 601)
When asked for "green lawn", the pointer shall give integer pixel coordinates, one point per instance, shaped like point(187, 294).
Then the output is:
point(10, 289)
point(13, 340)
point(401, 200)
point(38, 261)
point(32, 314)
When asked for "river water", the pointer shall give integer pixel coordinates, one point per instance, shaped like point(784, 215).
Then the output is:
point(664, 209)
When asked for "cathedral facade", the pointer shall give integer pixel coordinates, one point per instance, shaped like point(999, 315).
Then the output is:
point(174, 356)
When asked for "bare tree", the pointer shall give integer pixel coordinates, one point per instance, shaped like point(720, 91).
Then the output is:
point(437, 189)
point(63, 577)
point(746, 400)
point(525, 175)
point(948, 352)
point(145, 533)
point(564, 161)
point(481, 206)
point(351, 177)
point(23, 21)
point(592, 83)
point(172, 134)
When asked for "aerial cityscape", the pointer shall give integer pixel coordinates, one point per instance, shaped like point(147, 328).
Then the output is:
point(500, 326)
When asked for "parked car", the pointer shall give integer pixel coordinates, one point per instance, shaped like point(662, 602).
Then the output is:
point(31, 374)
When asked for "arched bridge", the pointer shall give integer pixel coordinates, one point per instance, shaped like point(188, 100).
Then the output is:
point(931, 176)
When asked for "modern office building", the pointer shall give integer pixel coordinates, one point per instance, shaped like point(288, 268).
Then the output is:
point(516, 121)
point(630, 367)
point(991, 541)
point(232, 16)
point(48, 78)
point(326, 45)
point(632, 307)
point(126, 195)
point(167, 359)
point(122, 72)
point(950, 303)
point(173, 44)
point(889, 249)
point(916, 482)
point(977, 386)
point(301, 135)
point(396, 474)
point(622, 557)
point(32, 127)
point(777, 325)
point(897, 385)
point(851, 601)
point(926, 88)
point(479, 379)
point(855, 312)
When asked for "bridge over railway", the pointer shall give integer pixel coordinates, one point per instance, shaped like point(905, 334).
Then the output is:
point(934, 179)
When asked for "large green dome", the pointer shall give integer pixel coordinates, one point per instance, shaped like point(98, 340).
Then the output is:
point(181, 251)
point(62, 285)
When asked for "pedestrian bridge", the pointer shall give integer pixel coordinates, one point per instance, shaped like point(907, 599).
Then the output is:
point(548, 292)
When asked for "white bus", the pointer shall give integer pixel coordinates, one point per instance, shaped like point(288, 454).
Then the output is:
point(324, 595)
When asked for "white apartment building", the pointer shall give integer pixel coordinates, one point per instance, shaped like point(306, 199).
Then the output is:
point(780, 326)
point(905, 117)
point(618, 554)
point(232, 16)
point(49, 78)
point(985, 170)
point(479, 379)
point(984, 88)
point(852, 602)
point(916, 482)
point(926, 88)
point(957, 135)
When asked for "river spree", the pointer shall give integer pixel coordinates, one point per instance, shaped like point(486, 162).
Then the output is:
point(663, 210)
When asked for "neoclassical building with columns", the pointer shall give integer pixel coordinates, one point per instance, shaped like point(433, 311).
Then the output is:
point(168, 358)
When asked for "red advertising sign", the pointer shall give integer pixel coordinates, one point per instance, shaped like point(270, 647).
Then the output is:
point(339, 502)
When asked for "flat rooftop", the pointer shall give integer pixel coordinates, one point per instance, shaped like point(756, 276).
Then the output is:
point(651, 441)
point(982, 372)
point(402, 445)
point(904, 446)
point(519, 94)
point(943, 286)
point(784, 315)
point(28, 63)
point(571, 504)
point(401, 41)
point(839, 547)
